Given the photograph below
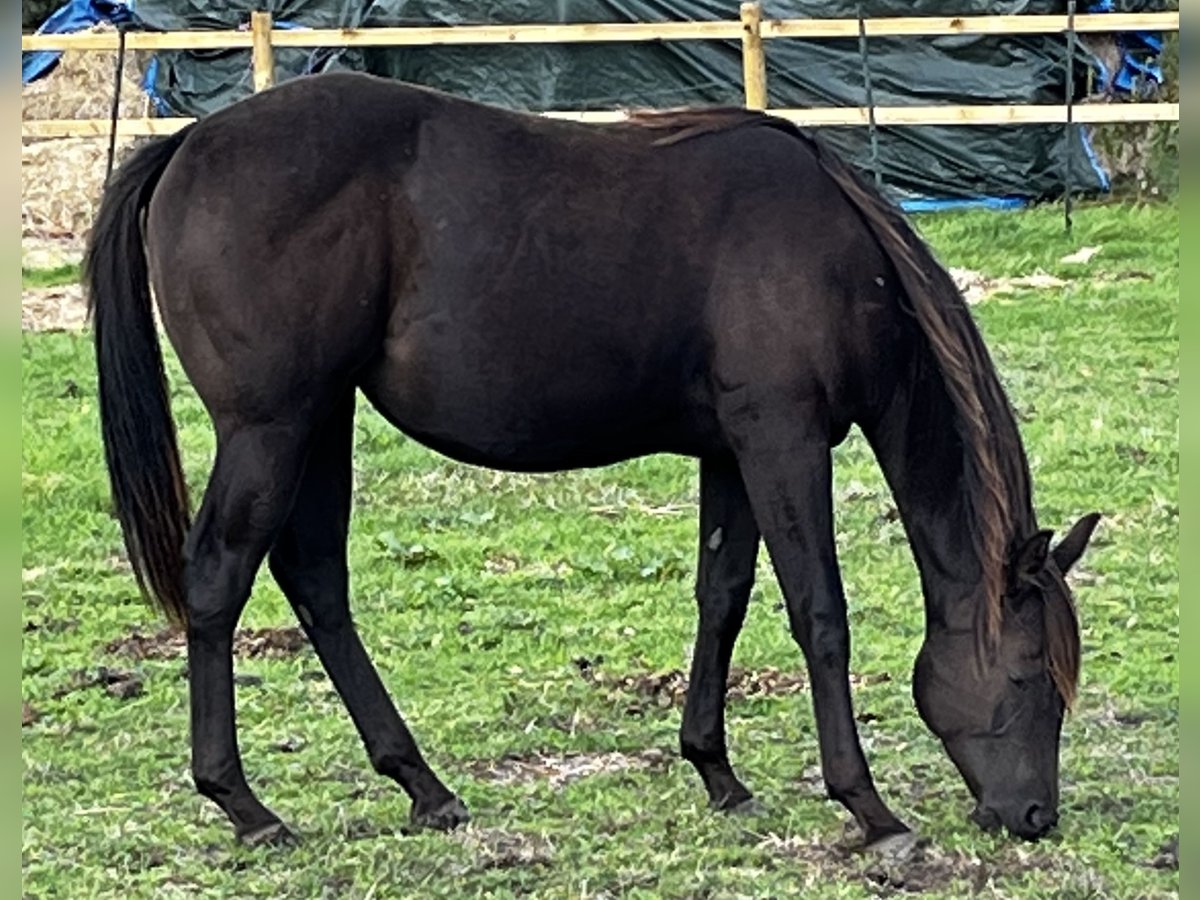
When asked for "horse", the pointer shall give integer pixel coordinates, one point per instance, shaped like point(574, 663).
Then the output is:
point(531, 294)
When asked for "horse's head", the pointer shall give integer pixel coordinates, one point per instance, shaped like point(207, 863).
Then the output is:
point(1000, 721)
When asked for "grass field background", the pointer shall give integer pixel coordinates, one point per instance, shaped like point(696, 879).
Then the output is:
point(534, 630)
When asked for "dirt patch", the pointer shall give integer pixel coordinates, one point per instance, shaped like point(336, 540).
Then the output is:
point(495, 848)
point(667, 689)
point(29, 715)
point(119, 683)
point(559, 769)
point(53, 309)
point(248, 643)
point(926, 868)
point(1168, 855)
point(977, 287)
point(59, 308)
point(670, 688)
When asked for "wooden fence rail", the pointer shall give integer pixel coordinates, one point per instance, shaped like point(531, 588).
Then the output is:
point(916, 26)
point(752, 30)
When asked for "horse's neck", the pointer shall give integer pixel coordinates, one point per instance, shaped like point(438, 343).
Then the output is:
point(921, 457)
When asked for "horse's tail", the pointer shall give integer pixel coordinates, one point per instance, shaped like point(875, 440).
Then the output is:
point(994, 474)
point(140, 447)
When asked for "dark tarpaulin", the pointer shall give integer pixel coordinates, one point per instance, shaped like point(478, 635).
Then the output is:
point(945, 162)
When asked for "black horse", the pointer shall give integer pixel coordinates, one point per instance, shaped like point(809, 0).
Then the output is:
point(537, 295)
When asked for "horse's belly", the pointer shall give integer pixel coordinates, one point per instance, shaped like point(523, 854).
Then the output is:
point(518, 413)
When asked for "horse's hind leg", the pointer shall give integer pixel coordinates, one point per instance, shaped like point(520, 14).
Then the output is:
point(725, 574)
point(309, 563)
point(249, 492)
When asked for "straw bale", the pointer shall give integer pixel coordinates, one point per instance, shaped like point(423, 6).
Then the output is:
point(62, 178)
point(61, 184)
point(81, 86)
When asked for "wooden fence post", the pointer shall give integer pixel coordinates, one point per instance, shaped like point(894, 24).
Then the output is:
point(754, 60)
point(264, 54)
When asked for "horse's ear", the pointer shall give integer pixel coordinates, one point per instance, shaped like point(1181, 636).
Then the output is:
point(1030, 559)
point(1070, 548)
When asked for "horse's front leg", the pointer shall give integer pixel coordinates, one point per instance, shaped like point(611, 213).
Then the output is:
point(789, 477)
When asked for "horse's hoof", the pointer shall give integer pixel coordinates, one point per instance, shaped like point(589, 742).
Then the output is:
point(895, 847)
point(748, 806)
point(446, 817)
point(274, 834)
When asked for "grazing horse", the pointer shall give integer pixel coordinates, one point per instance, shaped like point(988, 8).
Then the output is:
point(530, 295)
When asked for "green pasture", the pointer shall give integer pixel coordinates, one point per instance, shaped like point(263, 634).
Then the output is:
point(68, 273)
point(533, 629)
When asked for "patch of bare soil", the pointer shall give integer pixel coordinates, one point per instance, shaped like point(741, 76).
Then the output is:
point(495, 848)
point(670, 688)
point(248, 643)
point(563, 768)
point(666, 689)
point(61, 308)
point(977, 287)
point(118, 683)
point(1168, 855)
point(925, 868)
point(29, 715)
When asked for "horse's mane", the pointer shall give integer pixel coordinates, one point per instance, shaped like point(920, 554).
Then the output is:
point(996, 481)
point(685, 123)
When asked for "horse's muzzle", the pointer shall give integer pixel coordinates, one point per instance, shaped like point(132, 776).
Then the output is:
point(1031, 822)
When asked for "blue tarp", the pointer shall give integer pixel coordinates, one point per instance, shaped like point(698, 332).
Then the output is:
point(1138, 68)
point(77, 15)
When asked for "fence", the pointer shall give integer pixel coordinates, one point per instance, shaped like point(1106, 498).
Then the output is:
point(751, 29)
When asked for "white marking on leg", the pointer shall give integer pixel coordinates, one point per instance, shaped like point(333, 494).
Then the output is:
point(714, 540)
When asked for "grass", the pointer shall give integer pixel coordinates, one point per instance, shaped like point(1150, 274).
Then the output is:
point(68, 273)
point(479, 594)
